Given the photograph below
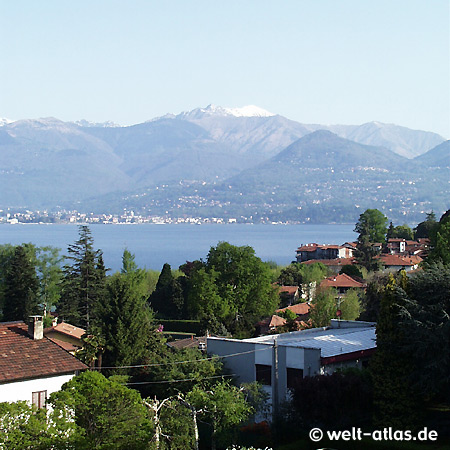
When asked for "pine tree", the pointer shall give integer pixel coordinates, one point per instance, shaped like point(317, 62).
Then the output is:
point(125, 321)
point(21, 287)
point(84, 281)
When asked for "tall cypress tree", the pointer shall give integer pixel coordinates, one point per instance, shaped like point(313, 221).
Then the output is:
point(161, 298)
point(83, 286)
point(21, 287)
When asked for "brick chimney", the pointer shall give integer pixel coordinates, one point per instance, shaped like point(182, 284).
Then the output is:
point(36, 327)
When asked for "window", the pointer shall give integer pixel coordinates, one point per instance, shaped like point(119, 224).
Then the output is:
point(38, 398)
point(263, 374)
point(292, 375)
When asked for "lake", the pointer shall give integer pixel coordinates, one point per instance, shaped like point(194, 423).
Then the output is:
point(154, 245)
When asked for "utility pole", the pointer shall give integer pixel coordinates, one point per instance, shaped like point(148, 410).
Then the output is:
point(275, 378)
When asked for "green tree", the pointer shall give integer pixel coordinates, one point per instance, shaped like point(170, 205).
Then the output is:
point(205, 301)
point(188, 366)
point(371, 299)
point(365, 253)
point(221, 406)
point(372, 223)
point(124, 320)
point(350, 305)
point(244, 283)
point(352, 270)
point(48, 265)
point(427, 228)
point(161, 300)
point(24, 426)
point(395, 402)
point(110, 415)
point(291, 275)
point(83, 286)
point(21, 287)
point(425, 319)
point(400, 232)
point(440, 242)
point(6, 255)
point(323, 308)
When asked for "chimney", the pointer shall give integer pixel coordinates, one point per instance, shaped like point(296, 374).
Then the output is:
point(36, 327)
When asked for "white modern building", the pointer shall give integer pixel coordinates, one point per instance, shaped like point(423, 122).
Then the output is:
point(32, 366)
point(277, 361)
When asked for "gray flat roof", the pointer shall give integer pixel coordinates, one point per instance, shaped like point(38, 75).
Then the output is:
point(331, 341)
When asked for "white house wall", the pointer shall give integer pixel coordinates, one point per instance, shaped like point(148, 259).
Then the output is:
point(22, 390)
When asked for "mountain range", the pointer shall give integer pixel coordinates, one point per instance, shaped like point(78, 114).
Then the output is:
point(185, 164)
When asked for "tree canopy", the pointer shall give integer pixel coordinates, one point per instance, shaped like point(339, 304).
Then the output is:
point(234, 286)
point(372, 223)
point(21, 287)
point(108, 414)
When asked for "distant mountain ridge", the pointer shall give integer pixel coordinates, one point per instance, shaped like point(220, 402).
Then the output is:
point(48, 162)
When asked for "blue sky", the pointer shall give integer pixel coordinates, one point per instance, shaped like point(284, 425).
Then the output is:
point(315, 61)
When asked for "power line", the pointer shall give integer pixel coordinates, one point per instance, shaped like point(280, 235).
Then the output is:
point(180, 380)
point(136, 366)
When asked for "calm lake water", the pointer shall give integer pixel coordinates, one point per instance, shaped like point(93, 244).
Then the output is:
point(154, 245)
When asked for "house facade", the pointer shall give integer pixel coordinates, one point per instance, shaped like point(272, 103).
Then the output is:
point(342, 283)
point(32, 366)
point(315, 251)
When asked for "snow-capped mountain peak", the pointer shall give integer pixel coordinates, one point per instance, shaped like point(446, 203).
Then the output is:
point(5, 121)
point(88, 124)
point(214, 110)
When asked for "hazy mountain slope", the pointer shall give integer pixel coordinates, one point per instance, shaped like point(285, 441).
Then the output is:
point(319, 178)
point(47, 161)
point(259, 136)
point(401, 140)
point(43, 162)
point(325, 149)
point(263, 136)
point(438, 156)
point(168, 150)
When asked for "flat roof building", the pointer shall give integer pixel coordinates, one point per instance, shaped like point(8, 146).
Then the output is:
point(277, 361)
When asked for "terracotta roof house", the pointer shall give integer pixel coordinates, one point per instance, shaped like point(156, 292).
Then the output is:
point(32, 366)
point(66, 336)
point(198, 342)
point(396, 245)
point(342, 283)
point(300, 309)
point(394, 263)
point(315, 251)
point(270, 324)
point(289, 294)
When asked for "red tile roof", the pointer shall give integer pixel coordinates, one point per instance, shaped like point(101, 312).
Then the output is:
point(22, 357)
point(67, 329)
point(299, 309)
point(65, 345)
point(308, 248)
point(291, 290)
point(397, 260)
point(192, 342)
point(341, 280)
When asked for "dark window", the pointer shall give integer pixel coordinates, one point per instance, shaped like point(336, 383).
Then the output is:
point(263, 374)
point(38, 398)
point(292, 376)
